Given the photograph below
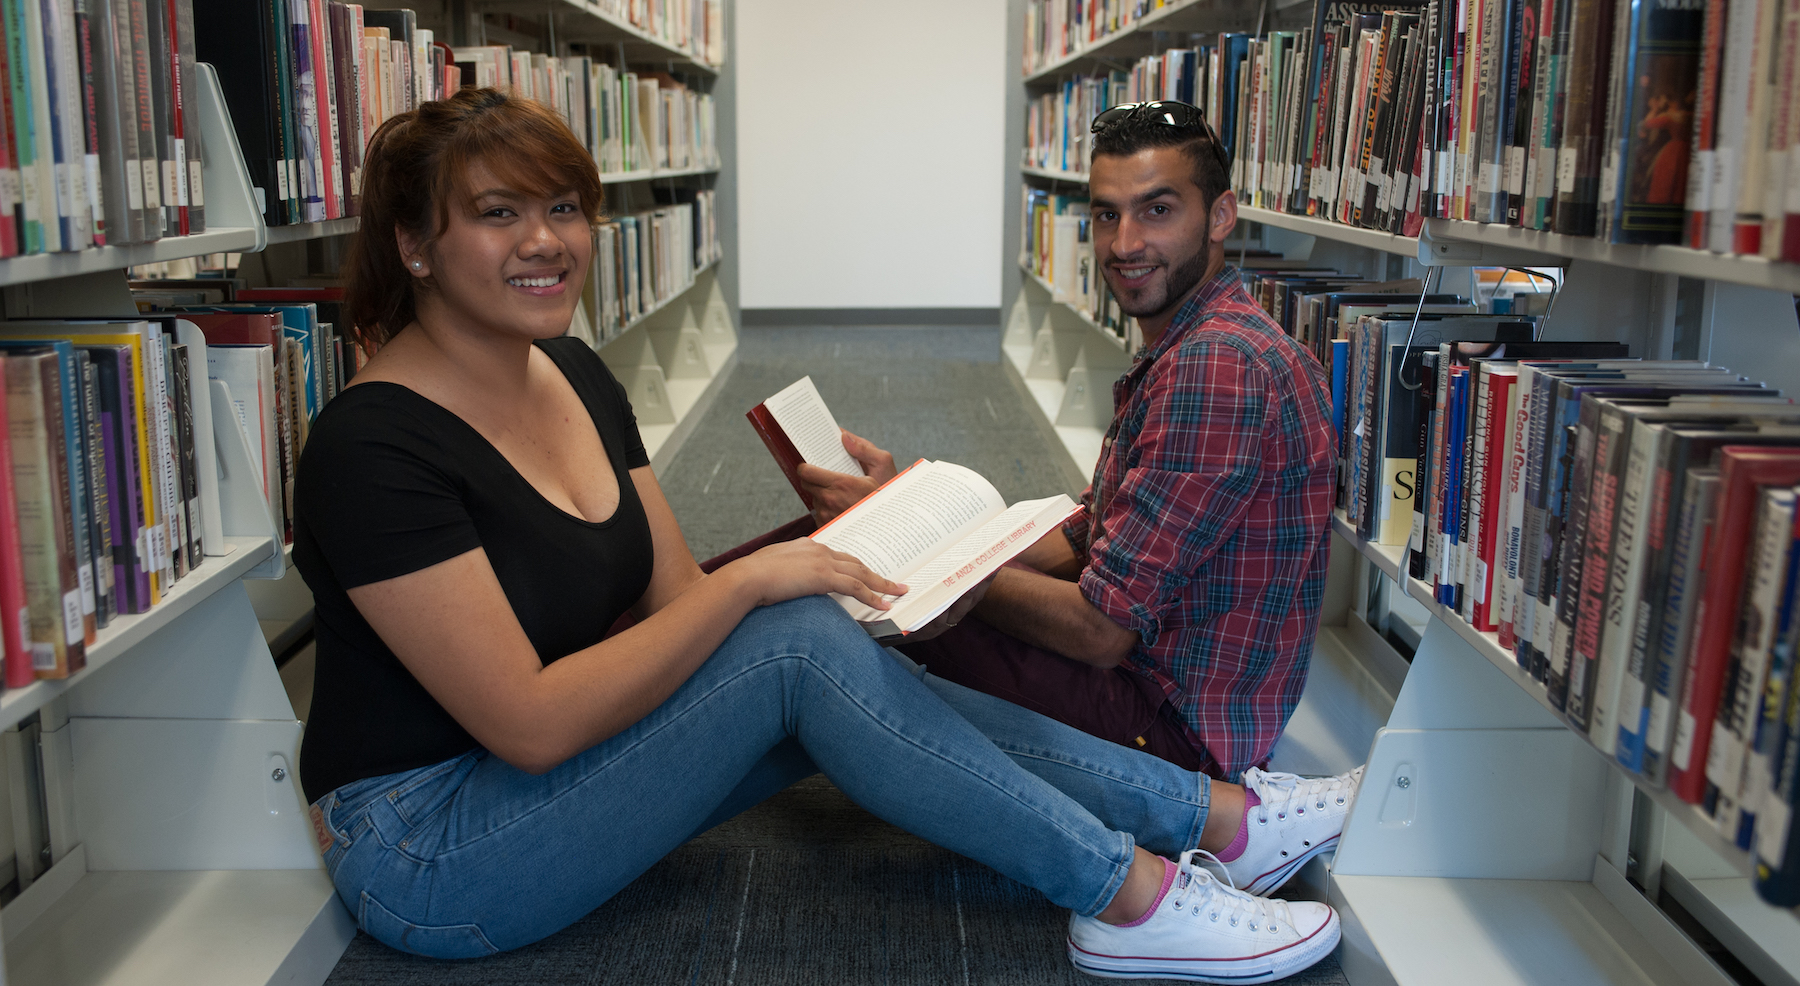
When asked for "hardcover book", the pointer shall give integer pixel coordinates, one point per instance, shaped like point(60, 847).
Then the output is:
point(797, 427)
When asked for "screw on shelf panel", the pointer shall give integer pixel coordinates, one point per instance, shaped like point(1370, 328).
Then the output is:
point(278, 775)
point(1403, 782)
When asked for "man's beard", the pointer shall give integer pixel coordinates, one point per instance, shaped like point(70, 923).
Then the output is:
point(1178, 281)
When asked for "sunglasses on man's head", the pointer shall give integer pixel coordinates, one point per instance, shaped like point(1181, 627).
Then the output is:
point(1182, 116)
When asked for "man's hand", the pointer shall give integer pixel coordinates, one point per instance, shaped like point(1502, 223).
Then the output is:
point(835, 492)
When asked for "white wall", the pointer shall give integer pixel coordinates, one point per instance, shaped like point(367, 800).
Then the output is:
point(870, 152)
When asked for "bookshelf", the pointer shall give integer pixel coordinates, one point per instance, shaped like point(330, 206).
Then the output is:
point(1492, 843)
point(1388, 558)
point(620, 177)
point(588, 22)
point(296, 232)
point(157, 872)
point(1073, 177)
point(673, 359)
point(1177, 17)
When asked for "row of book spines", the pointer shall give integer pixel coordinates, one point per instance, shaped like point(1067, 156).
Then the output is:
point(104, 511)
point(1619, 621)
point(1057, 247)
point(647, 258)
point(96, 142)
point(628, 122)
point(1618, 178)
point(1643, 530)
point(1673, 546)
point(99, 495)
point(308, 95)
point(696, 26)
point(1057, 28)
point(1056, 123)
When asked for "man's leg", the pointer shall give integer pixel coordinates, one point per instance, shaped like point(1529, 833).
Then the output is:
point(1112, 703)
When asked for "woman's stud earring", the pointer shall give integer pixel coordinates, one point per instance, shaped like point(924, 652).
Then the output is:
point(416, 265)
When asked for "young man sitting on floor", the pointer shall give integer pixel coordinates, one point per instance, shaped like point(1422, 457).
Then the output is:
point(1178, 613)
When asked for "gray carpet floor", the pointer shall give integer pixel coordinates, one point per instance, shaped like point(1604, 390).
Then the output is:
point(808, 888)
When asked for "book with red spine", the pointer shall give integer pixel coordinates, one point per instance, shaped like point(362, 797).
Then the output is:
point(90, 121)
point(1501, 381)
point(1742, 469)
point(237, 328)
point(325, 82)
point(177, 183)
point(780, 446)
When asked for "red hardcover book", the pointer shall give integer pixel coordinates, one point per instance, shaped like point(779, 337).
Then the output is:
point(810, 426)
point(780, 446)
point(325, 89)
point(1500, 388)
point(13, 615)
point(248, 328)
point(178, 112)
point(84, 53)
point(1742, 469)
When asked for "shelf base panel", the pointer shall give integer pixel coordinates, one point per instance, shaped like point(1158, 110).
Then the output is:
point(1430, 930)
point(185, 928)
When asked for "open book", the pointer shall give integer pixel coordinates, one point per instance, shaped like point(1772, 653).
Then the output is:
point(797, 427)
point(940, 529)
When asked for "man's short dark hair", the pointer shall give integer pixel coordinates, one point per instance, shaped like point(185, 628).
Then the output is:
point(1142, 131)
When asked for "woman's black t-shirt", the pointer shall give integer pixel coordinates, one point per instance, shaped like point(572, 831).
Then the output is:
point(391, 483)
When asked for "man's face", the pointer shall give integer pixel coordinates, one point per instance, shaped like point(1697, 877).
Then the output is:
point(1150, 228)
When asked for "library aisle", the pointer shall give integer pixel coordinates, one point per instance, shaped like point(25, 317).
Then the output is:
point(1562, 617)
point(807, 887)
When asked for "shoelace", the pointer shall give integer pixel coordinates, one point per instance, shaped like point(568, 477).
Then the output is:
point(1279, 791)
point(1202, 893)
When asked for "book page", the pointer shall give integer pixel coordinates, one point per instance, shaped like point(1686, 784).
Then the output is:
point(802, 413)
point(959, 568)
point(906, 523)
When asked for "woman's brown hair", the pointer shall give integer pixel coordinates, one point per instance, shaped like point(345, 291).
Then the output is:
point(413, 175)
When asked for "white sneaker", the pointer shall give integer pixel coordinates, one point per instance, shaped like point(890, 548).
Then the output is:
point(1206, 932)
point(1299, 818)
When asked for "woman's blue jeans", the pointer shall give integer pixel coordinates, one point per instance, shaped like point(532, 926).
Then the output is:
point(472, 856)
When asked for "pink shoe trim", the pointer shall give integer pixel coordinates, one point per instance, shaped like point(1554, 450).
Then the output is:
point(1169, 870)
point(1242, 839)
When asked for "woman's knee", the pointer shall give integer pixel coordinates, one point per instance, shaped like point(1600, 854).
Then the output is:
point(808, 625)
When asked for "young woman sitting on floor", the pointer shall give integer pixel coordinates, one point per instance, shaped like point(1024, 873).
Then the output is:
point(487, 765)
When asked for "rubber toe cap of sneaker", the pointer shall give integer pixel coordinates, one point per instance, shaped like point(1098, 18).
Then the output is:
point(1309, 916)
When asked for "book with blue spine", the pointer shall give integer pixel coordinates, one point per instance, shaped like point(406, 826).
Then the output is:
point(1340, 360)
point(1777, 875)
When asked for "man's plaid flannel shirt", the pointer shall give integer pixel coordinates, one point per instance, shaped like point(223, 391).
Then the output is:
point(1209, 519)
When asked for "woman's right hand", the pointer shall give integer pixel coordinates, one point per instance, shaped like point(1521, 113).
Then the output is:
point(805, 567)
